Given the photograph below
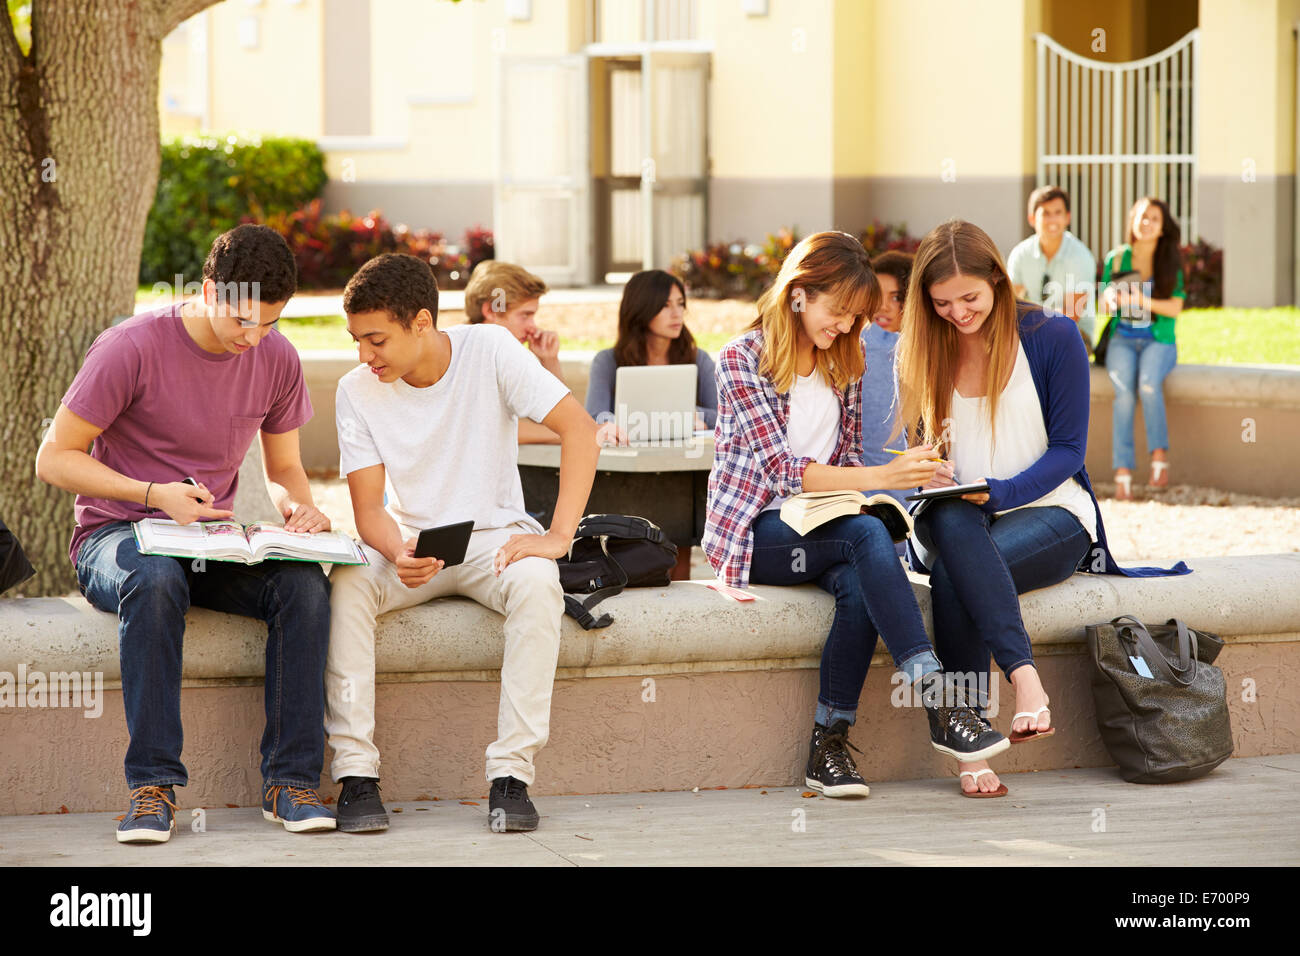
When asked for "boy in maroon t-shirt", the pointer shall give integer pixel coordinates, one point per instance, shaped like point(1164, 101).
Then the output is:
point(176, 393)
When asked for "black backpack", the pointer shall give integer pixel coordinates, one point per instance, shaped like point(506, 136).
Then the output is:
point(610, 553)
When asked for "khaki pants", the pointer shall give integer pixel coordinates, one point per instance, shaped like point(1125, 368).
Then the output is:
point(527, 593)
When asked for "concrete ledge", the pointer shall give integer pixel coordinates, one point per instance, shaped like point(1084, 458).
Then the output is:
point(684, 627)
point(686, 689)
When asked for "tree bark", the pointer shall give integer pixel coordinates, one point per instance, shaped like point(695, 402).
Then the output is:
point(78, 170)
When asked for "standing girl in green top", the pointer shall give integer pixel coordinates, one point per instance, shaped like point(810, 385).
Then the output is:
point(1141, 349)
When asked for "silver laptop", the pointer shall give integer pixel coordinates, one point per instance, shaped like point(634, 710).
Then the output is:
point(655, 403)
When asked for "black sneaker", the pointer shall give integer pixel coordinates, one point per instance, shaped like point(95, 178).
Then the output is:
point(359, 808)
point(509, 807)
point(959, 731)
point(830, 768)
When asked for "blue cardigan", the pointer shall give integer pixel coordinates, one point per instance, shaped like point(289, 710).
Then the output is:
point(1058, 363)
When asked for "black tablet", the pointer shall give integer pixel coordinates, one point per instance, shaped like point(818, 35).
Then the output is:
point(952, 491)
point(447, 543)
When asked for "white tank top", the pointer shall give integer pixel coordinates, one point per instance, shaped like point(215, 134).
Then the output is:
point(813, 429)
point(1021, 441)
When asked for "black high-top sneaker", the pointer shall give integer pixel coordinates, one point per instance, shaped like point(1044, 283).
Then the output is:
point(509, 807)
point(359, 808)
point(957, 729)
point(830, 768)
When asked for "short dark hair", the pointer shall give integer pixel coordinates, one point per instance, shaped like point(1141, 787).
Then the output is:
point(1045, 194)
point(254, 255)
point(395, 283)
point(897, 264)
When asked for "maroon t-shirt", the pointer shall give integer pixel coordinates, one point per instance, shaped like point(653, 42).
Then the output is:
point(170, 410)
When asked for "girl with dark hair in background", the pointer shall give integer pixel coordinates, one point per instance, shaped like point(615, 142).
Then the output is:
point(651, 331)
point(1140, 350)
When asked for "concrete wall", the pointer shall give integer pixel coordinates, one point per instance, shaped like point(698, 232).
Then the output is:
point(1246, 159)
point(1230, 428)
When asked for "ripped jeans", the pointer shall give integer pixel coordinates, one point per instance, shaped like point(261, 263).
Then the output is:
point(1137, 369)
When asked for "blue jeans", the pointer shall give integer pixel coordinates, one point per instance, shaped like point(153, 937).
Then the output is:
point(984, 563)
point(150, 595)
point(852, 558)
point(1137, 368)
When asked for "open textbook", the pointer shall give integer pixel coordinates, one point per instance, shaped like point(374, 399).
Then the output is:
point(244, 544)
point(814, 508)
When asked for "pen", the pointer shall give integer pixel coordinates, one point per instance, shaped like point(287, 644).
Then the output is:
point(895, 451)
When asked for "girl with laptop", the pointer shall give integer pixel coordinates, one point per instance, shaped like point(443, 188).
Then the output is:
point(651, 331)
point(790, 421)
point(1003, 387)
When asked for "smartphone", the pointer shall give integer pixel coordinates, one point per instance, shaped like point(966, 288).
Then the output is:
point(447, 543)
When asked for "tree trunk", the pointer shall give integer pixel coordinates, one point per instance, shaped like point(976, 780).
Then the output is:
point(78, 169)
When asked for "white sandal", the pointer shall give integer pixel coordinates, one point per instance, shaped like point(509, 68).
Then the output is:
point(975, 775)
point(1124, 487)
point(1158, 468)
point(1023, 736)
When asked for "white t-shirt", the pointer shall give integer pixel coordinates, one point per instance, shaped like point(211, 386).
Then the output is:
point(1021, 441)
point(450, 451)
point(813, 430)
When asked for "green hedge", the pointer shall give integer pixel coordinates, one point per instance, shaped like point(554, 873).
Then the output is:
point(208, 184)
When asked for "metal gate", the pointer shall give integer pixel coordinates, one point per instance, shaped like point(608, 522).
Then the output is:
point(1109, 133)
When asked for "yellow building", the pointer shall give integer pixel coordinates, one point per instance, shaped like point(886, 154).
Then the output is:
point(607, 135)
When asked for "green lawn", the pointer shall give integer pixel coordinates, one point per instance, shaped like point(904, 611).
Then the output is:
point(1205, 336)
point(1239, 337)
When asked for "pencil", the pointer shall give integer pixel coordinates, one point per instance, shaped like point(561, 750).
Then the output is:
point(895, 451)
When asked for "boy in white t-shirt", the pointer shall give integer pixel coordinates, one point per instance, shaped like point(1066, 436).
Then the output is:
point(431, 418)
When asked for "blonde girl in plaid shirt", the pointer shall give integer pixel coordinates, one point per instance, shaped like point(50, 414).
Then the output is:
point(778, 435)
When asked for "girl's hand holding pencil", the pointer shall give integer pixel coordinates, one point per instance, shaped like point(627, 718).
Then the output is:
point(943, 476)
point(914, 467)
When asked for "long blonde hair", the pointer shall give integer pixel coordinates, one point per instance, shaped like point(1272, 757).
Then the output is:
point(826, 263)
point(927, 346)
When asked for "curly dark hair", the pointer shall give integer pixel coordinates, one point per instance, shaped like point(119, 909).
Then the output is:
point(897, 264)
point(398, 284)
point(256, 257)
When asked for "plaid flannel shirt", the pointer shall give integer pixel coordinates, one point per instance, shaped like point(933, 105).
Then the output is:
point(752, 462)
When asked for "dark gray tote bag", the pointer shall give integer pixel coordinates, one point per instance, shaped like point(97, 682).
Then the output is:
point(1171, 723)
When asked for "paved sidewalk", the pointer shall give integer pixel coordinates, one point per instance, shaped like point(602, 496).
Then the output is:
point(1243, 814)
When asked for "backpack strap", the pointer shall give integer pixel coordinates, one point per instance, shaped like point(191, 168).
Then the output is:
point(580, 611)
point(620, 526)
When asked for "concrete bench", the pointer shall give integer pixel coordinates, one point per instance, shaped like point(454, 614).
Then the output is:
point(687, 688)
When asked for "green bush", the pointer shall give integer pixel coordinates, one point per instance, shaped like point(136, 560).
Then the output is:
point(209, 184)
